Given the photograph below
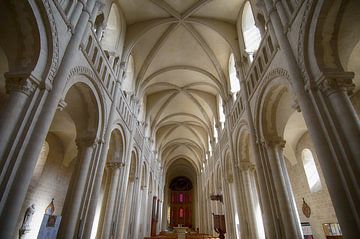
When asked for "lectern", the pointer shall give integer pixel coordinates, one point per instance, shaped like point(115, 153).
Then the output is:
point(219, 225)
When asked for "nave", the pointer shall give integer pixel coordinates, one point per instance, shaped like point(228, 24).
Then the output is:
point(135, 119)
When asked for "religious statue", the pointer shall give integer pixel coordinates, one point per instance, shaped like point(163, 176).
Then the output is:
point(25, 226)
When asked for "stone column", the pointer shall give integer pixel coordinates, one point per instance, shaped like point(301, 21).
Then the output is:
point(290, 225)
point(338, 151)
point(245, 171)
point(134, 205)
point(241, 202)
point(74, 198)
point(19, 88)
point(94, 197)
point(271, 230)
point(114, 169)
point(335, 88)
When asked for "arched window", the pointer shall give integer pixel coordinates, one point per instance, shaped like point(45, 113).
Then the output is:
point(311, 172)
point(215, 131)
point(250, 32)
point(221, 113)
point(112, 30)
point(128, 83)
point(234, 82)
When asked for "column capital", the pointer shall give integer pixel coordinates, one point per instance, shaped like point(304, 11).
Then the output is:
point(331, 82)
point(114, 164)
point(62, 104)
point(99, 5)
point(276, 141)
point(20, 83)
point(246, 165)
point(86, 141)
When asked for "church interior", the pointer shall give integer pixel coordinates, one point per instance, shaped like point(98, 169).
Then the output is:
point(198, 119)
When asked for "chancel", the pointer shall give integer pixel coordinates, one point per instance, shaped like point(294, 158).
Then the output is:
point(133, 119)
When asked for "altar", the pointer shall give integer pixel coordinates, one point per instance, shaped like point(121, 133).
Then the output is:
point(181, 232)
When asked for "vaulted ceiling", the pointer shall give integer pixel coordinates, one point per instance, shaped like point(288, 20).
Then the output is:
point(181, 50)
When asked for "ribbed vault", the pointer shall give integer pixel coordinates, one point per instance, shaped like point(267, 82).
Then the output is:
point(181, 51)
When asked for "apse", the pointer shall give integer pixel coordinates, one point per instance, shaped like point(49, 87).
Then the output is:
point(180, 195)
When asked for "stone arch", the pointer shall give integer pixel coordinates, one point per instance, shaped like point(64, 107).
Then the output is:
point(29, 43)
point(272, 91)
point(133, 166)
point(88, 103)
point(334, 44)
point(143, 178)
point(84, 75)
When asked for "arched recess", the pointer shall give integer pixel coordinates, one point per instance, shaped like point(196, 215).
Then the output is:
point(128, 84)
point(62, 161)
point(180, 168)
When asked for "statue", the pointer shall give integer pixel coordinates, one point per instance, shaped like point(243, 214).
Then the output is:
point(25, 226)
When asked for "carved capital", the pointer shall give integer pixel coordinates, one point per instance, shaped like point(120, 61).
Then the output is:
point(246, 165)
point(115, 164)
point(276, 141)
point(85, 141)
point(295, 105)
point(335, 83)
point(62, 104)
point(20, 83)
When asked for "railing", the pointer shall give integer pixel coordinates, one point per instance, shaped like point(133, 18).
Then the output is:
point(105, 71)
point(236, 111)
point(100, 63)
point(223, 138)
point(262, 60)
point(124, 110)
point(139, 138)
point(263, 57)
point(216, 153)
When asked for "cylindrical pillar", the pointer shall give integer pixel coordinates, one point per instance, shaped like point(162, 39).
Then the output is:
point(343, 113)
point(71, 220)
point(245, 168)
point(268, 215)
point(114, 168)
point(19, 89)
point(289, 224)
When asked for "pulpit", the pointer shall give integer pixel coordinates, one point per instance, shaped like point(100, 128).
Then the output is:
point(219, 225)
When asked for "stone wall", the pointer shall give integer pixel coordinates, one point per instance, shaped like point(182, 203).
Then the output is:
point(322, 210)
point(51, 181)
